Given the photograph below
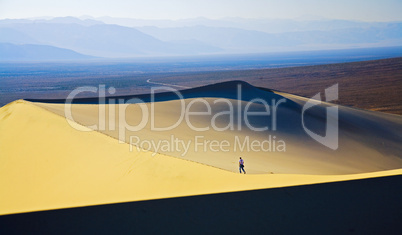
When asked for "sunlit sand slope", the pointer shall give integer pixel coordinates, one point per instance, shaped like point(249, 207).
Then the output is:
point(47, 164)
point(368, 141)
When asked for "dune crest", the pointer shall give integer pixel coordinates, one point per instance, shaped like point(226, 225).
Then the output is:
point(45, 164)
point(368, 141)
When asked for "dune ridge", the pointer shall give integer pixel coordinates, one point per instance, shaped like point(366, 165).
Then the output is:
point(368, 141)
point(46, 164)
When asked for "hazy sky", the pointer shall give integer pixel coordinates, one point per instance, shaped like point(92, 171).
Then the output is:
point(365, 10)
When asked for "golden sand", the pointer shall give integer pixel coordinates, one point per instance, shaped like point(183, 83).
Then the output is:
point(46, 164)
point(357, 152)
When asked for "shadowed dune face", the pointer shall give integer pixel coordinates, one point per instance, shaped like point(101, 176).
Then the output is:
point(219, 133)
point(48, 162)
point(332, 208)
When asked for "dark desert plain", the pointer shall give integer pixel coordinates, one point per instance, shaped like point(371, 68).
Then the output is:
point(373, 85)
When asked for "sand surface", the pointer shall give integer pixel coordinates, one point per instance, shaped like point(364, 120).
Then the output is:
point(368, 141)
point(46, 164)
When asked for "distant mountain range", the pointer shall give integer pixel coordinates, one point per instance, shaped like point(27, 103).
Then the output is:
point(264, 25)
point(122, 38)
point(246, 41)
point(27, 52)
point(103, 40)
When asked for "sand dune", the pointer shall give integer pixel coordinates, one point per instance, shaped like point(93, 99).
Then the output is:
point(367, 206)
point(46, 164)
point(368, 141)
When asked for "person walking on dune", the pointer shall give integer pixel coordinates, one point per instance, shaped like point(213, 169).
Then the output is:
point(241, 166)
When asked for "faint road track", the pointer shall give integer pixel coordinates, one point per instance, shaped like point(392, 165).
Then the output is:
point(165, 84)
